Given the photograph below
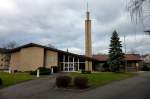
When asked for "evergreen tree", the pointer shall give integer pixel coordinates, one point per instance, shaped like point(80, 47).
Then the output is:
point(116, 56)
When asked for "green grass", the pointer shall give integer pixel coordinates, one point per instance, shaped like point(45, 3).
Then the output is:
point(98, 79)
point(11, 79)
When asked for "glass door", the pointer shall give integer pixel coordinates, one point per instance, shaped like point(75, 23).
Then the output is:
point(66, 67)
point(70, 67)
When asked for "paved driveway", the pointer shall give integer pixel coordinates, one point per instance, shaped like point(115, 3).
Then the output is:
point(133, 88)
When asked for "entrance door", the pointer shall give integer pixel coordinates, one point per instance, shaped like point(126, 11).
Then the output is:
point(65, 68)
point(71, 67)
point(68, 68)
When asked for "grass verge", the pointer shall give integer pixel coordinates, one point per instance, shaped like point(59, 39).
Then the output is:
point(11, 79)
point(99, 79)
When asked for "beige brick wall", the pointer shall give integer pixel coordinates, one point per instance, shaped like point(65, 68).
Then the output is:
point(51, 58)
point(15, 61)
point(27, 59)
point(88, 65)
point(31, 58)
point(88, 39)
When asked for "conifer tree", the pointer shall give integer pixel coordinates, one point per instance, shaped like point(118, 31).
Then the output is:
point(116, 56)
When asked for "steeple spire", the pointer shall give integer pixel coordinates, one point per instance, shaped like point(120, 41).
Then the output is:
point(88, 40)
point(87, 6)
point(87, 12)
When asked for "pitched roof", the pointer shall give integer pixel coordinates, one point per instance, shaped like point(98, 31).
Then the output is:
point(48, 48)
point(33, 45)
point(133, 57)
point(101, 57)
point(129, 57)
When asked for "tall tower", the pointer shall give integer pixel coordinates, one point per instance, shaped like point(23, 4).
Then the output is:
point(88, 41)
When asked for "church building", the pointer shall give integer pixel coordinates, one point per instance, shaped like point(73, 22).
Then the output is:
point(31, 56)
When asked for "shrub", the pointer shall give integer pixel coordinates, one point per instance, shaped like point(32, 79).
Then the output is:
point(43, 71)
point(1, 82)
point(85, 72)
point(33, 72)
point(55, 69)
point(63, 81)
point(15, 71)
point(88, 72)
point(80, 82)
point(106, 68)
point(145, 68)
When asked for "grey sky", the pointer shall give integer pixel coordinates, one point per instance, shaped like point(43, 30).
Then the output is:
point(61, 23)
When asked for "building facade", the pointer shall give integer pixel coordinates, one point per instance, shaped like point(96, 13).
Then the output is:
point(32, 56)
point(146, 60)
point(133, 62)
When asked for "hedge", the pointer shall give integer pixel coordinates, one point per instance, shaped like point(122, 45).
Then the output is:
point(42, 70)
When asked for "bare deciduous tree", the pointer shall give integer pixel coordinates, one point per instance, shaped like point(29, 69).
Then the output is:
point(10, 45)
point(133, 51)
point(51, 46)
point(140, 12)
point(7, 56)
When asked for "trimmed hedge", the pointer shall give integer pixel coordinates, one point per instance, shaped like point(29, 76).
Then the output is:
point(63, 81)
point(43, 71)
point(1, 82)
point(85, 72)
point(80, 82)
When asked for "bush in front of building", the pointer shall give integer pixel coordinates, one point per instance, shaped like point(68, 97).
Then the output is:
point(63, 81)
point(145, 68)
point(85, 72)
point(15, 71)
point(55, 69)
point(105, 68)
point(42, 70)
point(80, 82)
point(1, 82)
point(33, 72)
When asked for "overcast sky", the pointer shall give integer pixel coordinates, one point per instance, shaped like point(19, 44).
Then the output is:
point(61, 23)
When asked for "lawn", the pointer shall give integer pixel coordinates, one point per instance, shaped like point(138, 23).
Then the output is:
point(11, 79)
point(98, 79)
